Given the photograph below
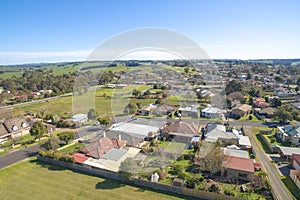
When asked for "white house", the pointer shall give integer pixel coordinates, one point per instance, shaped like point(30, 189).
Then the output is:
point(211, 112)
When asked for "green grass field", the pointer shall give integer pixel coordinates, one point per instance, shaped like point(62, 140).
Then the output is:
point(35, 180)
point(175, 147)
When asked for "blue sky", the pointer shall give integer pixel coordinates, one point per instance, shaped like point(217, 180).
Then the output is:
point(56, 30)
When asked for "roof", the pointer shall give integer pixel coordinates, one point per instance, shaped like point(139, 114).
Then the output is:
point(291, 130)
point(268, 111)
point(78, 118)
point(16, 124)
point(244, 141)
point(149, 107)
point(218, 131)
point(3, 130)
point(115, 154)
point(245, 108)
point(192, 108)
point(237, 163)
point(132, 128)
point(211, 110)
point(289, 151)
point(149, 122)
point(181, 127)
point(131, 139)
point(236, 153)
point(101, 146)
point(296, 157)
point(79, 157)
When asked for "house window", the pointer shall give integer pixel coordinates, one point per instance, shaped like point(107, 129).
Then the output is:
point(24, 125)
point(14, 128)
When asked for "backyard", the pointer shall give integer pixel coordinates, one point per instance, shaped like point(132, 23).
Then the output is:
point(42, 181)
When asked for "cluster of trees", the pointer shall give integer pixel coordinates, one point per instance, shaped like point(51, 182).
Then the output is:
point(287, 112)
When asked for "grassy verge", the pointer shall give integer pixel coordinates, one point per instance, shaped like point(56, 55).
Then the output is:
point(291, 186)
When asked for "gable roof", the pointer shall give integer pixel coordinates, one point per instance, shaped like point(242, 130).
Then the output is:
point(291, 130)
point(101, 146)
point(268, 111)
point(16, 124)
point(79, 157)
point(180, 127)
point(244, 108)
point(296, 158)
point(218, 131)
point(132, 128)
point(237, 163)
point(288, 151)
point(3, 130)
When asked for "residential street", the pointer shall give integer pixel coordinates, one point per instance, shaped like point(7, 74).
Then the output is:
point(279, 189)
point(17, 156)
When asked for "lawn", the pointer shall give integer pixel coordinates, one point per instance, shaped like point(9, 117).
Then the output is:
point(175, 147)
point(35, 180)
point(291, 186)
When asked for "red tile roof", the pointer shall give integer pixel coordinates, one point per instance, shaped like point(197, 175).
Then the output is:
point(242, 164)
point(296, 157)
point(101, 146)
point(79, 157)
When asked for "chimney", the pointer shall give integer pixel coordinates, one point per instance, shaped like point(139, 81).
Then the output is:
point(104, 134)
point(119, 136)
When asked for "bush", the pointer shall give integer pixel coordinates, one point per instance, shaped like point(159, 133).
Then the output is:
point(214, 188)
point(229, 193)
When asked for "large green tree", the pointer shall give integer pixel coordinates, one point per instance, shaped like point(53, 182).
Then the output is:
point(66, 136)
point(38, 130)
point(52, 143)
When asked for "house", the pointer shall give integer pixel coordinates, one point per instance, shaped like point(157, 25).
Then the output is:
point(235, 152)
point(287, 152)
point(180, 131)
point(211, 112)
point(237, 168)
point(146, 110)
point(100, 146)
point(296, 161)
point(295, 176)
point(260, 103)
point(166, 109)
point(289, 133)
point(241, 111)
point(49, 127)
point(17, 127)
point(217, 132)
point(189, 111)
point(78, 118)
point(267, 112)
point(4, 134)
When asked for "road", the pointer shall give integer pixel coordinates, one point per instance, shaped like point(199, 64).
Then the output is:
point(17, 156)
point(279, 189)
point(34, 101)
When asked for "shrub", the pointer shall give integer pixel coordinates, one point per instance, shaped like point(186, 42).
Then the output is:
point(229, 193)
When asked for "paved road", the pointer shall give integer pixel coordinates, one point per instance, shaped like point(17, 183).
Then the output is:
point(280, 191)
point(17, 156)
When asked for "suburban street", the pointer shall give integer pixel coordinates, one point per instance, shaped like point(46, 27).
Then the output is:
point(279, 189)
point(17, 156)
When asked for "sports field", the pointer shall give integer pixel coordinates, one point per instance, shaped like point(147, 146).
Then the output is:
point(33, 180)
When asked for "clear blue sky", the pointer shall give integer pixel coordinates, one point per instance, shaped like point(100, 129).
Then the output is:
point(225, 29)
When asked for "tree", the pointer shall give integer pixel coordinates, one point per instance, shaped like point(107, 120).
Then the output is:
point(186, 70)
point(298, 82)
point(66, 136)
point(233, 86)
point(104, 120)
point(38, 130)
point(92, 114)
point(283, 114)
point(131, 108)
point(52, 143)
point(276, 102)
point(128, 168)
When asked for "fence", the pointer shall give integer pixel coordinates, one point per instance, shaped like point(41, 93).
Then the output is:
point(139, 182)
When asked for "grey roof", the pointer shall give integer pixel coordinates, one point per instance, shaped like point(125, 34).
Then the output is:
point(131, 139)
point(217, 131)
point(291, 130)
point(236, 153)
point(135, 129)
point(115, 154)
point(148, 122)
point(288, 151)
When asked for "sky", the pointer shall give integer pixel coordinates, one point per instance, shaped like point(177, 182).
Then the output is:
point(69, 30)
